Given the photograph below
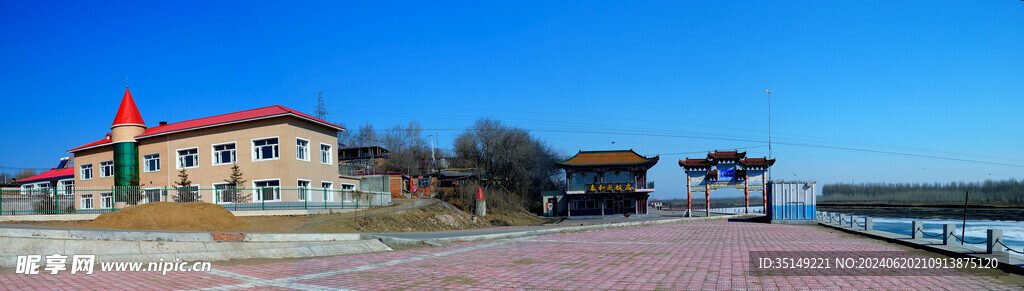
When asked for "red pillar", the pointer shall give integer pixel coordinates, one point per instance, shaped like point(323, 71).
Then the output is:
point(764, 193)
point(746, 197)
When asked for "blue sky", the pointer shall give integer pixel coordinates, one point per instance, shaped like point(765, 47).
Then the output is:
point(940, 79)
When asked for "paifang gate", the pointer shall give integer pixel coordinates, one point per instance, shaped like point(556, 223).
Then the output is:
point(724, 169)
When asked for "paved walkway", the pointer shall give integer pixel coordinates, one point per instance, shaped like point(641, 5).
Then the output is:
point(691, 255)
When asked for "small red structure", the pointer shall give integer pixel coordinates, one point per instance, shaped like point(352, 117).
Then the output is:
point(479, 193)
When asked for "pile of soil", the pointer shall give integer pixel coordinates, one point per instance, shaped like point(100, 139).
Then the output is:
point(194, 216)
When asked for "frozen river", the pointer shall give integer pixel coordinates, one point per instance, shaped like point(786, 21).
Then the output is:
point(1013, 231)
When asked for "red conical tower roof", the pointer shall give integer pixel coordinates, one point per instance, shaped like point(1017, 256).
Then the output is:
point(479, 193)
point(128, 113)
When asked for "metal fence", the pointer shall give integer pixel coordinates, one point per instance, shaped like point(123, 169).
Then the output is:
point(14, 201)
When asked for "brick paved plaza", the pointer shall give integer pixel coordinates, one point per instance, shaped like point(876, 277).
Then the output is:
point(692, 255)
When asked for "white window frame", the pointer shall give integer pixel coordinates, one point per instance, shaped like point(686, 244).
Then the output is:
point(81, 201)
point(252, 143)
point(303, 195)
point(214, 154)
point(196, 187)
point(112, 169)
point(259, 194)
point(145, 194)
point(298, 149)
point(346, 192)
point(329, 155)
point(104, 205)
point(178, 162)
point(145, 167)
point(330, 190)
point(62, 187)
point(218, 196)
point(82, 171)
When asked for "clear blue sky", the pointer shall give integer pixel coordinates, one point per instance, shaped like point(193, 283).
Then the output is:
point(935, 78)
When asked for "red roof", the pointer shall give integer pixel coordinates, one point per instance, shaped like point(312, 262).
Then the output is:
point(105, 140)
point(479, 193)
point(258, 113)
point(128, 113)
point(50, 175)
point(250, 114)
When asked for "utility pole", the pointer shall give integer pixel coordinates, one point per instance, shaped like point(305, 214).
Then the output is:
point(320, 111)
point(433, 161)
point(769, 132)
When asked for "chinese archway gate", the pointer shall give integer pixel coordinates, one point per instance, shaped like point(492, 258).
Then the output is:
point(725, 169)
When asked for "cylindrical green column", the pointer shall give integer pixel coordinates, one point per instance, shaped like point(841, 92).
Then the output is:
point(126, 163)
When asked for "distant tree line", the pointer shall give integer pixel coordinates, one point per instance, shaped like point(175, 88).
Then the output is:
point(1007, 192)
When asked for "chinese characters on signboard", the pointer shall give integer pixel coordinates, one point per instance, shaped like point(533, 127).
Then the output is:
point(610, 187)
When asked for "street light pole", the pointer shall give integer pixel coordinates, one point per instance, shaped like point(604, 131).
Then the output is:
point(769, 132)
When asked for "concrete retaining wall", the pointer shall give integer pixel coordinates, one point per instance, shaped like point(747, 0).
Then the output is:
point(166, 236)
point(239, 213)
point(153, 251)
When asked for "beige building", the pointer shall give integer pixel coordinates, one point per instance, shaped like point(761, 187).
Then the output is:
point(290, 155)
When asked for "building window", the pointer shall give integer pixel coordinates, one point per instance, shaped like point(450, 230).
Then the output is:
point(303, 190)
point(302, 149)
point(328, 189)
point(86, 172)
point(618, 177)
point(585, 204)
point(151, 163)
point(152, 195)
point(188, 158)
point(68, 187)
point(268, 190)
point(325, 153)
point(106, 169)
point(265, 149)
point(107, 200)
point(86, 201)
point(348, 186)
point(224, 154)
point(188, 193)
point(225, 193)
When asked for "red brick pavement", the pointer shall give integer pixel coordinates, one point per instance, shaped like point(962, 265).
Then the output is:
point(692, 255)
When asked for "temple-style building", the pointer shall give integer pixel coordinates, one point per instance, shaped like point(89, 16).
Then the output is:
point(607, 182)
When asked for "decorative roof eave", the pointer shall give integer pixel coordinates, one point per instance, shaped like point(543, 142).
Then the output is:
point(649, 162)
point(726, 155)
point(695, 163)
point(757, 162)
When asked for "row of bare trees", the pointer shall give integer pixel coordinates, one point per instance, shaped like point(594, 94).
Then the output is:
point(504, 157)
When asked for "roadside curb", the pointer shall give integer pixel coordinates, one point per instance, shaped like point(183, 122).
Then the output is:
point(518, 234)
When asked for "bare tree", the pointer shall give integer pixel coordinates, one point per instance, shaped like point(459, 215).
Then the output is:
point(409, 151)
point(508, 157)
point(25, 174)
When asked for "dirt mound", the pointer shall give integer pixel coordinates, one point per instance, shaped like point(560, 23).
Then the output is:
point(193, 216)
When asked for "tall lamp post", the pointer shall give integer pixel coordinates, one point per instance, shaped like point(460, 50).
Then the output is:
point(769, 132)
